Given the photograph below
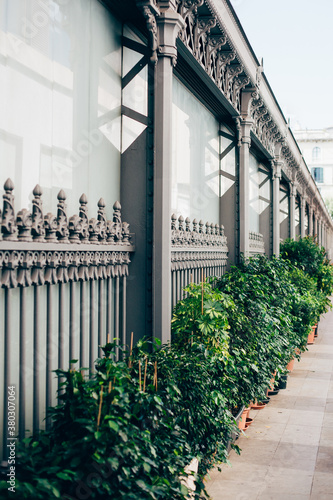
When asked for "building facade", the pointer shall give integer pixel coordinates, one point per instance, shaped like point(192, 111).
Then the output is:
point(317, 150)
point(152, 112)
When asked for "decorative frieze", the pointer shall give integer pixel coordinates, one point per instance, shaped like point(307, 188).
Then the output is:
point(37, 249)
point(210, 46)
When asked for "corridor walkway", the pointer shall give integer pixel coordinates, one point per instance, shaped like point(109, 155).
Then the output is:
point(287, 452)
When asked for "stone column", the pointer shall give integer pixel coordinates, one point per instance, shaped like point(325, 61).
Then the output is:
point(292, 231)
point(310, 219)
point(169, 23)
point(244, 165)
point(276, 206)
point(302, 221)
point(320, 235)
point(244, 125)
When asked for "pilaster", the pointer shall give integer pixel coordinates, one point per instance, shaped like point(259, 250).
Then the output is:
point(168, 24)
point(302, 216)
point(310, 219)
point(277, 167)
point(292, 232)
point(244, 126)
point(244, 144)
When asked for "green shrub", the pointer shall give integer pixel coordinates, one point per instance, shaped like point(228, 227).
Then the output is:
point(129, 430)
point(307, 255)
point(109, 439)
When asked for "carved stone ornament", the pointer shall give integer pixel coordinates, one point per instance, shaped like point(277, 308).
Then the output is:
point(38, 229)
point(32, 250)
point(8, 225)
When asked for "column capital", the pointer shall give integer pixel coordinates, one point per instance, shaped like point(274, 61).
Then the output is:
point(163, 23)
point(293, 188)
point(169, 23)
point(244, 128)
point(277, 168)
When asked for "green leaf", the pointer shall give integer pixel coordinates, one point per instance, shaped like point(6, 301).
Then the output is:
point(113, 425)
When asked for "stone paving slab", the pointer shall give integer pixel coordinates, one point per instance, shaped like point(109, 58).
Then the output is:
point(287, 452)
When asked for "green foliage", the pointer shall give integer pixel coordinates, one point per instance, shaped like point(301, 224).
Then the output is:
point(133, 449)
point(307, 255)
point(129, 430)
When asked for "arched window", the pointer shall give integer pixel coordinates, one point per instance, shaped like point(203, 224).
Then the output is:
point(316, 153)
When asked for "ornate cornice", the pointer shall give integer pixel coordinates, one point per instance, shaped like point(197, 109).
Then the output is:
point(210, 46)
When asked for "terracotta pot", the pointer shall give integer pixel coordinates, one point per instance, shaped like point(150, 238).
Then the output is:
point(242, 420)
point(290, 365)
point(316, 330)
point(257, 406)
point(311, 335)
point(249, 421)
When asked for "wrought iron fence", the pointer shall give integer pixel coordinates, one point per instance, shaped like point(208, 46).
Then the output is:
point(197, 252)
point(63, 291)
point(256, 243)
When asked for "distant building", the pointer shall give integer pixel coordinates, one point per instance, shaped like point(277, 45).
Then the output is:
point(317, 149)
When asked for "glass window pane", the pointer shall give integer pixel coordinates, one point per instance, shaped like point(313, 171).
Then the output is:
point(60, 88)
point(195, 158)
point(254, 204)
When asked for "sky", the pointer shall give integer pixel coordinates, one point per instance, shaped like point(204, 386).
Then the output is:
point(295, 40)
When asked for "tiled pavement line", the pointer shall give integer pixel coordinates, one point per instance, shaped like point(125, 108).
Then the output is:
point(287, 452)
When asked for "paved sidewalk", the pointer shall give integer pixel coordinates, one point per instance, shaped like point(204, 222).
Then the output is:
point(287, 452)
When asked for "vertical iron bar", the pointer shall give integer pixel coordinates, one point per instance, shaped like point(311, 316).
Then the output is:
point(49, 321)
point(109, 307)
point(181, 283)
point(71, 320)
point(22, 367)
point(92, 325)
point(178, 285)
point(124, 313)
point(6, 368)
point(100, 315)
point(174, 289)
point(83, 300)
point(117, 315)
point(61, 332)
point(35, 424)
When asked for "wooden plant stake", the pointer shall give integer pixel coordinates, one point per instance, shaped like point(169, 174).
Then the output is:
point(155, 375)
point(145, 375)
point(100, 407)
point(131, 349)
point(139, 375)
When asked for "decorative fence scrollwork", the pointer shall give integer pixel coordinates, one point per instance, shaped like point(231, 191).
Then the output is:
point(196, 252)
point(63, 291)
point(256, 243)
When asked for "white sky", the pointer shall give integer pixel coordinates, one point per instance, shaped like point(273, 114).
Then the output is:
point(295, 38)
